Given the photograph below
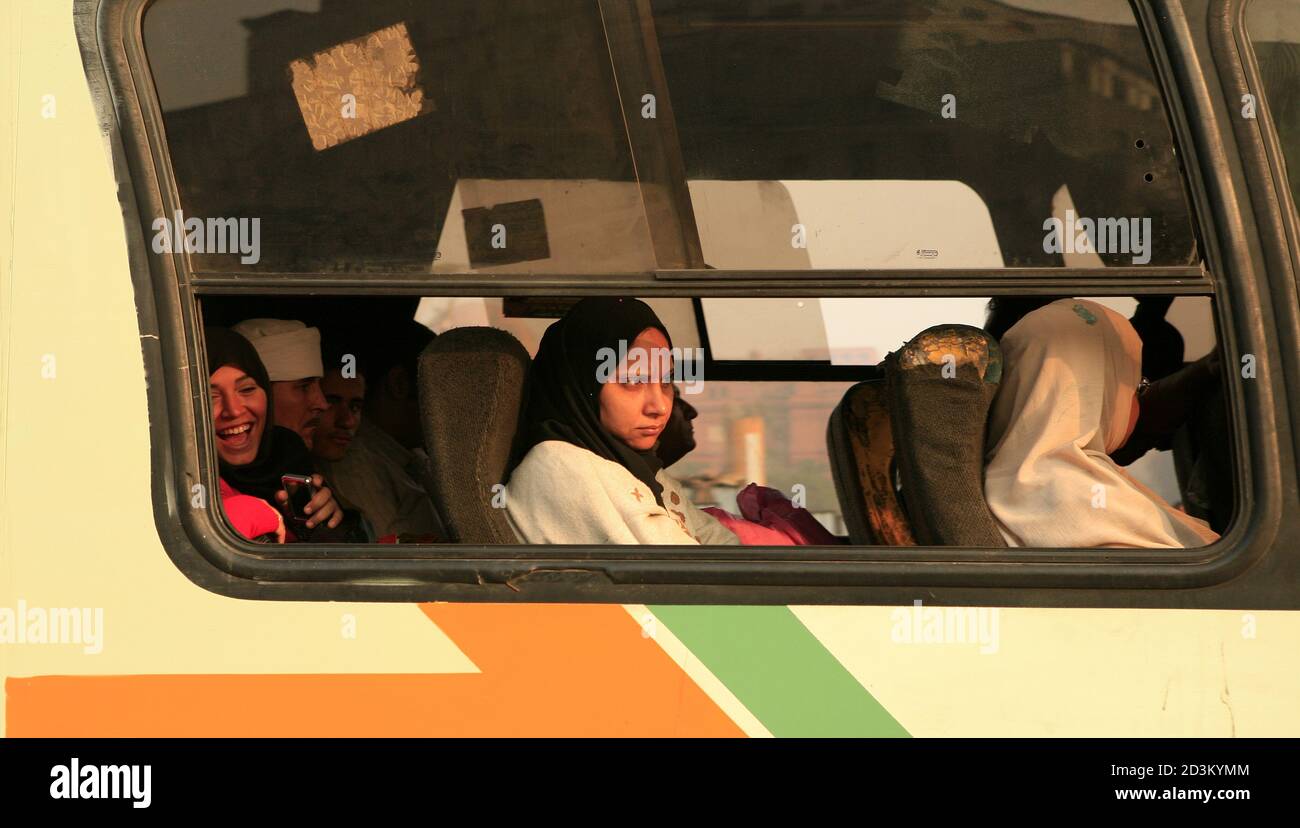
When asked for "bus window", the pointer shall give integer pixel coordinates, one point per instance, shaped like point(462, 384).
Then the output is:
point(1274, 30)
point(863, 331)
point(833, 330)
point(926, 134)
point(398, 135)
point(769, 433)
point(762, 414)
point(819, 225)
point(527, 318)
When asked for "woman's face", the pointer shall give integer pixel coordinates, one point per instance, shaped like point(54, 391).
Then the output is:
point(238, 414)
point(635, 404)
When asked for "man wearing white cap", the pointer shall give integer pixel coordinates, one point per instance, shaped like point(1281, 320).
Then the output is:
point(291, 353)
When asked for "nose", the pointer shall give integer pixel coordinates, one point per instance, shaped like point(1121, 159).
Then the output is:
point(659, 400)
point(350, 419)
point(316, 399)
point(229, 407)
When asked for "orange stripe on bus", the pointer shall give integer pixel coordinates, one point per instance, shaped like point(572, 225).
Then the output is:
point(547, 670)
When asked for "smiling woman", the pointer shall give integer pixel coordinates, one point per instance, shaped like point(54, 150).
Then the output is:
point(255, 454)
point(239, 412)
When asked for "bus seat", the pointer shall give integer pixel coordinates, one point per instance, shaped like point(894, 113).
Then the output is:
point(860, 444)
point(939, 387)
point(471, 392)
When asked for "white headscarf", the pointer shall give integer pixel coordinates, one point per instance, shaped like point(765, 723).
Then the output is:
point(1071, 371)
point(289, 349)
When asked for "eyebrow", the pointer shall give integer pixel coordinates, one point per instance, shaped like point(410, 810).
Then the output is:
point(238, 380)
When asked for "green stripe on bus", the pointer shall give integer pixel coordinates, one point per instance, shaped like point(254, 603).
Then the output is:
point(779, 671)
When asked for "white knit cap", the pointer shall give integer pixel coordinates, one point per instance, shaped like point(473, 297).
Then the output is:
point(289, 349)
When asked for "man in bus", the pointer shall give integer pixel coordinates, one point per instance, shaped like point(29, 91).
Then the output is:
point(291, 353)
point(368, 441)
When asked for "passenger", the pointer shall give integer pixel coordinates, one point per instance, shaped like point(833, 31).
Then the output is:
point(291, 353)
point(585, 469)
point(371, 470)
point(392, 393)
point(346, 397)
point(1162, 343)
point(1003, 312)
point(1176, 391)
point(678, 437)
point(254, 452)
point(1068, 398)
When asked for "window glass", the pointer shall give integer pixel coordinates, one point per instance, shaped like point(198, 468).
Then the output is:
point(839, 331)
point(397, 135)
point(770, 433)
point(922, 133)
point(527, 318)
point(765, 329)
point(773, 432)
point(1274, 30)
point(862, 331)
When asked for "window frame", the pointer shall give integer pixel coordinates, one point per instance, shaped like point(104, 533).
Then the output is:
point(168, 293)
point(1267, 176)
point(1269, 139)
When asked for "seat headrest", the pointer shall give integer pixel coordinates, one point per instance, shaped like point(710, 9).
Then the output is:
point(860, 444)
point(471, 392)
point(941, 384)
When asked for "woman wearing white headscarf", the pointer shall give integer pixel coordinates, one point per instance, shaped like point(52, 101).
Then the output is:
point(1068, 398)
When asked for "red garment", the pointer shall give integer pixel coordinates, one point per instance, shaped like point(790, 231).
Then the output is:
point(770, 519)
point(750, 533)
point(250, 516)
point(771, 508)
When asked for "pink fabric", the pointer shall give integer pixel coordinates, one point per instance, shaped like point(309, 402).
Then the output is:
point(771, 508)
point(750, 534)
point(250, 516)
point(770, 519)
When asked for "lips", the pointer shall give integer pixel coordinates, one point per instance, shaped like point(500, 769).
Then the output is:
point(236, 437)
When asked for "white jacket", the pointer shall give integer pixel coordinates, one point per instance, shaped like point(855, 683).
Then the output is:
point(565, 494)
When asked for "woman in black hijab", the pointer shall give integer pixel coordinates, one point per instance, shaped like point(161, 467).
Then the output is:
point(254, 452)
point(565, 386)
point(585, 468)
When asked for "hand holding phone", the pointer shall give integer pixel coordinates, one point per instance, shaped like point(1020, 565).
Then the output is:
point(300, 490)
point(308, 500)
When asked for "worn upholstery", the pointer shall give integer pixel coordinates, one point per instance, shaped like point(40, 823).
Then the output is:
point(860, 444)
point(940, 386)
point(471, 392)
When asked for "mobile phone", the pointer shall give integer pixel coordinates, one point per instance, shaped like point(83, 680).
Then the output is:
point(300, 491)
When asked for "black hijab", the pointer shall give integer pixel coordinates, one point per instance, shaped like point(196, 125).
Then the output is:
point(281, 450)
point(564, 389)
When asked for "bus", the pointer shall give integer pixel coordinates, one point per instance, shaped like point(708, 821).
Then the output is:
point(816, 198)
